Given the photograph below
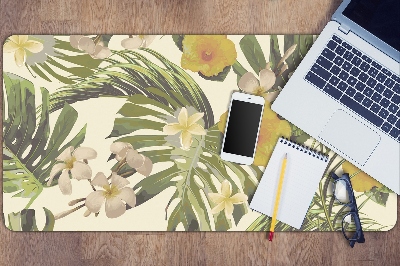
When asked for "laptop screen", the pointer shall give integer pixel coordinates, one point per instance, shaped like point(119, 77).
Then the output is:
point(379, 17)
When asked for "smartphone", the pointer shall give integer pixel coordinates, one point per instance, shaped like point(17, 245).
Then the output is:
point(242, 127)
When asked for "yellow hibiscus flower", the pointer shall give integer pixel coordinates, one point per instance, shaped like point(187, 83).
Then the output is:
point(270, 130)
point(207, 54)
point(361, 182)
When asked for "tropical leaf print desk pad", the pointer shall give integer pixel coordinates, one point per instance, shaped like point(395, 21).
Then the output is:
point(123, 133)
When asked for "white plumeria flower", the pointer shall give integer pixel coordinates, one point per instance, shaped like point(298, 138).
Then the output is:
point(187, 126)
point(224, 200)
point(19, 44)
point(83, 43)
point(250, 84)
point(70, 163)
point(114, 195)
point(141, 163)
point(132, 43)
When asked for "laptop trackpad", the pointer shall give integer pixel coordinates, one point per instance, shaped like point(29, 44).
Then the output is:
point(350, 136)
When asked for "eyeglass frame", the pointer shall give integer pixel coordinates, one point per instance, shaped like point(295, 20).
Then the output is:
point(352, 204)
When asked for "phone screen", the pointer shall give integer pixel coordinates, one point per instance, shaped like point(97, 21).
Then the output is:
point(241, 133)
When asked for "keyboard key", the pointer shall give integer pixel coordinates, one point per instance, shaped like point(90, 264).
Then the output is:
point(335, 70)
point(360, 86)
point(322, 61)
point(364, 66)
point(314, 79)
point(328, 54)
point(381, 77)
point(371, 82)
point(340, 50)
point(386, 127)
point(397, 123)
point(355, 71)
point(321, 72)
point(376, 97)
point(348, 55)
point(351, 81)
point(379, 87)
point(385, 102)
point(368, 92)
point(342, 86)
point(343, 75)
point(396, 88)
point(332, 91)
point(376, 65)
point(389, 82)
point(346, 66)
point(386, 71)
point(346, 45)
point(393, 108)
point(383, 113)
point(350, 91)
point(375, 108)
point(373, 72)
point(367, 102)
point(388, 93)
point(396, 78)
point(334, 80)
point(396, 99)
point(394, 132)
point(359, 97)
point(332, 44)
point(356, 61)
point(355, 51)
point(366, 58)
point(337, 39)
point(391, 119)
point(338, 60)
point(361, 110)
point(363, 77)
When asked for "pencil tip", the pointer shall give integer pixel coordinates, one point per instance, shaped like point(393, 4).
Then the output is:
point(285, 155)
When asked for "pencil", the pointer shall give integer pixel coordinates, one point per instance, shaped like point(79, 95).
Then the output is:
point(277, 199)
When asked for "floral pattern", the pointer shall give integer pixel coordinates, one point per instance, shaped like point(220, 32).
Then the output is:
point(148, 114)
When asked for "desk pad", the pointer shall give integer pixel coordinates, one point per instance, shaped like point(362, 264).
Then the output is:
point(123, 133)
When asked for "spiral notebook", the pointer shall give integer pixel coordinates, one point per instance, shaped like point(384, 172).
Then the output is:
point(304, 171)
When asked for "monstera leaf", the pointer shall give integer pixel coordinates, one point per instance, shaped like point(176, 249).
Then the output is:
point(25, 220)
point(193, 173)
point(29, 150)
point(128, 73)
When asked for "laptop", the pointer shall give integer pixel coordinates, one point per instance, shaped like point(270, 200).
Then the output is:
point(346, 91)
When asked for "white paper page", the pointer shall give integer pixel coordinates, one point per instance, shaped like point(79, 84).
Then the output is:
point(302, 176)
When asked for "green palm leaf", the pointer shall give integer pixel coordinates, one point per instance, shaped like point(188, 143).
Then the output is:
point(29, 150)
point(128, 73)
point(191, 172)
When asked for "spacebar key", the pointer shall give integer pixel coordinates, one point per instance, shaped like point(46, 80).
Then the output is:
point(359, 109)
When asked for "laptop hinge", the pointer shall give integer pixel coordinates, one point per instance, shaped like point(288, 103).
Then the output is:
point(344, 29)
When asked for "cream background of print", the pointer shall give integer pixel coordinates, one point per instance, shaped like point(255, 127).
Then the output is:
point(99, 115)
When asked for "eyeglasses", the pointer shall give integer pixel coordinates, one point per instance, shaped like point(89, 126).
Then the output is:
point(351, 225)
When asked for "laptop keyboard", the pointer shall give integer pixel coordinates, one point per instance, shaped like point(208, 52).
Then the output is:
point(360, 83)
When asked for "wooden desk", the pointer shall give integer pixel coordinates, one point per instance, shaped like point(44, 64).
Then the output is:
point(167, 17)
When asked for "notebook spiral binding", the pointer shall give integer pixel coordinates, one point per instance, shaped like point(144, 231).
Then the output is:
point(304, 149)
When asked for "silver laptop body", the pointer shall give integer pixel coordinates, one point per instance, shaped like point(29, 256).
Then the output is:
point(345, 93)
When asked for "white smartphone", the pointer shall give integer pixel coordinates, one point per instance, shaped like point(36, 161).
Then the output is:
point(242, 127)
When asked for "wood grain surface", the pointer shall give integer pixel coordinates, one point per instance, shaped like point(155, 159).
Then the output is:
point(135, 248)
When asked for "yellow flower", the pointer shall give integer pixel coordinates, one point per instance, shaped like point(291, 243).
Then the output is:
point(270, 130)
point(207, 54)
point(224, 200)
point(361, 182)
point(250, 84)
point(187, 126)
point(19, 44)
